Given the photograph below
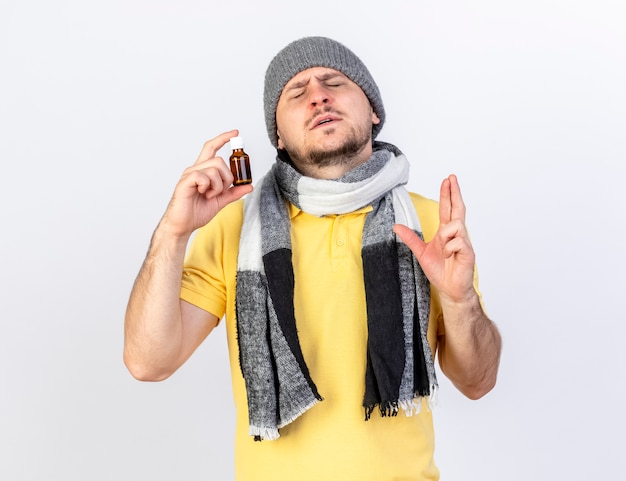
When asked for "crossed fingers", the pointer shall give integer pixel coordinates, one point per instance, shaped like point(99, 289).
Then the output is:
point(452, 232)
point(451, 205)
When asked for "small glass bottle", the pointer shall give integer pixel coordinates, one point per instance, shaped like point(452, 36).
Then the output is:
point(239, 162)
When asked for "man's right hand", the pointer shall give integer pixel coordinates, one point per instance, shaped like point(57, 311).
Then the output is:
point(161, 330)
point(202, 191)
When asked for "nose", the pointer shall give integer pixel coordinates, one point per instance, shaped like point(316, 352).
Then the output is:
point(320, 95)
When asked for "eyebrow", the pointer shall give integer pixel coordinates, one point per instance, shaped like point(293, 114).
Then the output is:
point(323, 78)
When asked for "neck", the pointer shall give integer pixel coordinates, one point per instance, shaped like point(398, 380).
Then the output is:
point(328, 172)
point(333, 167)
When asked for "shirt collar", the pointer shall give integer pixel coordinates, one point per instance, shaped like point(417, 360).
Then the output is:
point(294, 211)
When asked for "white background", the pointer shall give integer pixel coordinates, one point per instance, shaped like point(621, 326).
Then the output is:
point(102, 106)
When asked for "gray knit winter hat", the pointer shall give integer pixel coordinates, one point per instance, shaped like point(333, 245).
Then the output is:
point(316, 52)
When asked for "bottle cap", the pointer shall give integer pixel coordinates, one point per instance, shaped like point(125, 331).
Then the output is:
point(236, 143)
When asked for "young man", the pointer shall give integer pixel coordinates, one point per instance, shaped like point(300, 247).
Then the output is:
point(337, 285)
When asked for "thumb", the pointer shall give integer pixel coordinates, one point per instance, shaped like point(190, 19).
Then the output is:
point(235, 193)
point(411, 239)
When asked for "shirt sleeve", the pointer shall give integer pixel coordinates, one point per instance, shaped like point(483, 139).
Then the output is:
point(209, 270)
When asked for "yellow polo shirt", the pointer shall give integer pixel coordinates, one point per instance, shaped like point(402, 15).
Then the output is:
point(331, 441)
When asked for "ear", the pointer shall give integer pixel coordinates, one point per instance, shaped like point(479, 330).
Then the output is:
point(280, 142)
point(375, 119)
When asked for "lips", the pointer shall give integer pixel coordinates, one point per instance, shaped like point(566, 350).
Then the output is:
point(323, 120)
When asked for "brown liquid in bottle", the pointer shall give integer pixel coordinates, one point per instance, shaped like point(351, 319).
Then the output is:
point(239, 163)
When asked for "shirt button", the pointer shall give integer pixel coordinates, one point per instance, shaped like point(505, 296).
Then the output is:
point(340, 242)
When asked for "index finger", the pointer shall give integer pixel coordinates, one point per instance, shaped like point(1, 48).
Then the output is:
point(210, 147)
point(445, 202)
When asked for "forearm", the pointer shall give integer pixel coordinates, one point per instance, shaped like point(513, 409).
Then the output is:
point(153, 325)
point(469, 352)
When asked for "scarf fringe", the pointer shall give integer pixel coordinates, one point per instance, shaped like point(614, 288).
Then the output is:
point(269, 433)
point(261, 433)
point(413, 406)
point(410, 407)
point(433, 399)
